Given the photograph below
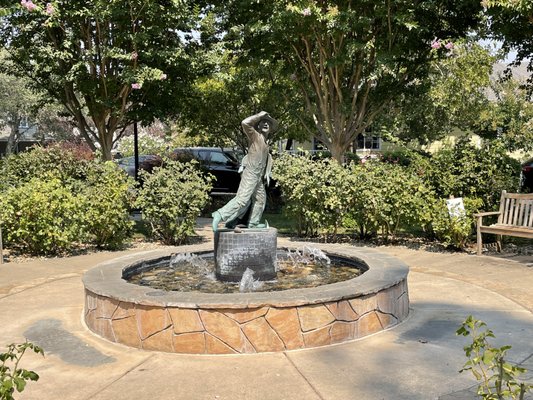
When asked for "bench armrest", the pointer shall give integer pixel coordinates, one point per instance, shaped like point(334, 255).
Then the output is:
point(484, 214)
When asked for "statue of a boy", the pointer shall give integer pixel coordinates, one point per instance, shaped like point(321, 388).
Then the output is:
point(257, 166)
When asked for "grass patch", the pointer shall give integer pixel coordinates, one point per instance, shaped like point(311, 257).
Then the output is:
point(281, 222)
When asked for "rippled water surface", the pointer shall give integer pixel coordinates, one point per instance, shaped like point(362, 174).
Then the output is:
point(190, 273)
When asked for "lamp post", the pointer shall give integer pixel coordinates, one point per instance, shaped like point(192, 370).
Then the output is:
point(136, 151)
point(1, 246)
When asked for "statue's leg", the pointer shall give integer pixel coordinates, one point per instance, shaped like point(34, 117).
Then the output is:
point(258, 206)
point(237, 207)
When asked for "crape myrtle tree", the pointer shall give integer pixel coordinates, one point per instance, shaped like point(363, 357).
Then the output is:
point(453, 96)
point(219, 102)
point(350, 59)
point(108, 62)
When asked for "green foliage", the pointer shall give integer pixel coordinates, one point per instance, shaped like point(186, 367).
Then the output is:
point(451, 97)
point(11, 376)
point(348, 59)
point(108, 62)
point(221, 101)
point(41, 216)
point(171, 199)
point(57, 197)
point(314, 192)
point(454, 230)
point(107, 202)
point(464, 170)
point(509, 118)
point(498, 379)
point(64, 161)
point(323, 195)
point(510, 23)
point(386, 197)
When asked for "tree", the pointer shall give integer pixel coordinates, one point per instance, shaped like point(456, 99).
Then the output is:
point(219, 102)
point(509, 117)
point(17, 101)
point(453, 96)
point(511, 22)
point(349, 59)
point(108, 62)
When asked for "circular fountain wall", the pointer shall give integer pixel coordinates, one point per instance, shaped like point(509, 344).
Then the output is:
point(205, 323)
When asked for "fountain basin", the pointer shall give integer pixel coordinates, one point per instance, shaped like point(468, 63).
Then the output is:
point(206, 323)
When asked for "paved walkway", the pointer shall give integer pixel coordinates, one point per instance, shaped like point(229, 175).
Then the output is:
point(42, 300)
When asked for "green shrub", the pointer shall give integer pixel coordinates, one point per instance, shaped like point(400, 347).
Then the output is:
point(497, 378)
point(41, 217)
point(454, 231)
point(323, 195)
point(464, 170)
point(12, 376)
point(64, 161)
point(171, 199)
point(386, 197)
point(314, 192)
point(107, 203)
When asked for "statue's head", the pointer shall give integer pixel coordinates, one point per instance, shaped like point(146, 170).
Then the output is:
point(267, 126)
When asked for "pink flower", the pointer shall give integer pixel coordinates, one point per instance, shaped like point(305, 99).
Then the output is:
point(163, 77)
point(134, 55)
point(49, 8)
point(136, 86)
point(28, 4)
point(449, 45)
point(306, 12)
point(436, 44)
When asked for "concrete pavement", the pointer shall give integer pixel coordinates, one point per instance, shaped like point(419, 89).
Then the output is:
point(42, 300)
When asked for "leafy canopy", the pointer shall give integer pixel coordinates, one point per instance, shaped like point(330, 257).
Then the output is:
point(109, 62)
point(349, 59)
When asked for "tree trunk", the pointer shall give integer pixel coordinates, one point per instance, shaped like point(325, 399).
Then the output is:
point(14, 136)
point(106, 144)
point(337, 152)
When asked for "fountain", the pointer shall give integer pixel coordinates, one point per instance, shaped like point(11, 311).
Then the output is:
point(252, 322)
point(194, 322)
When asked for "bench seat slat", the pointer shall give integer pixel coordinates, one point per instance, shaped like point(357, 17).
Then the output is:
point(508, 230)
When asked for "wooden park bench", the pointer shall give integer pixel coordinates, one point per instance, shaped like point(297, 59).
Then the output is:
point(515, 218)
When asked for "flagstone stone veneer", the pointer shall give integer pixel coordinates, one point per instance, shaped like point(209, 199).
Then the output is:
point(200, 323)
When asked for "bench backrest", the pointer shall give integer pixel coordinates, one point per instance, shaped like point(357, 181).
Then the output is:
point(516, 209)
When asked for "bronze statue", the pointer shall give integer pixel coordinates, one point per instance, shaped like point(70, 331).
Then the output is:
point(257, 166)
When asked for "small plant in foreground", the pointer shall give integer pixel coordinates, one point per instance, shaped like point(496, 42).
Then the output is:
point(13, 377)
point(497, 378)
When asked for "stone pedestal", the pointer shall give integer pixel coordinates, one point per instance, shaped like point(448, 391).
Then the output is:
point(246, 248)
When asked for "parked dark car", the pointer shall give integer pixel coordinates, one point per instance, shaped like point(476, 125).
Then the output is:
point(221, 163)
point(527, 176)
point(147, 162)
